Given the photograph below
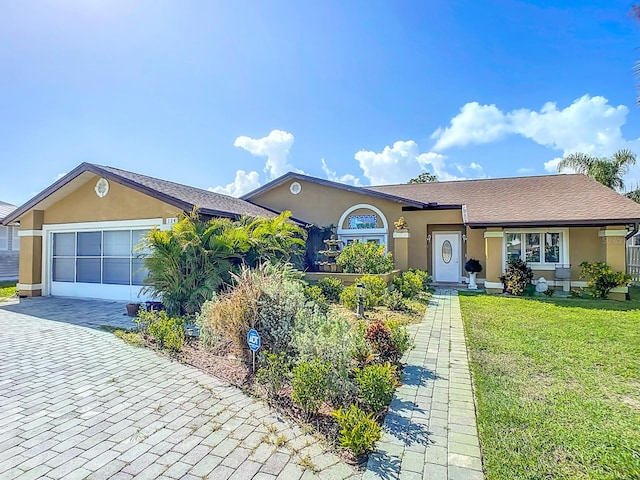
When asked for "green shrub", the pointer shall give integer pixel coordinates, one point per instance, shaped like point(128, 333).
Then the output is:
point(273, 372)
point(267, 298)
point(281, 298)
point(365, 257)
point(310, 385)
point(411, 282)
point(358, 431)
point(329, 339)
point(602, 279)
point(361, 351)
point(399, 336)
point(395, 301)
point(376, 385)
point(331, 288)
point(374, 290)
point(316, 297)
point(167, 331)
point(516, 278)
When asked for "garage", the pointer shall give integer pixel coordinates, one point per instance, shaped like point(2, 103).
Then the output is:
point(81, 236)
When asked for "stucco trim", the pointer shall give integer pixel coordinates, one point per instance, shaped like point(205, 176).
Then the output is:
point(29, 287)
point(30, 233)
point(401, 235)
point(493, 234)
point(612, 233)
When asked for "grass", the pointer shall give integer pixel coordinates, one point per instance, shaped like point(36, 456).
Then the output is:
point(7, 290)
point(557, 385)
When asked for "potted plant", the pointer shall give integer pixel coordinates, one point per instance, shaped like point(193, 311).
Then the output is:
point(132, 309)
point(473, 267)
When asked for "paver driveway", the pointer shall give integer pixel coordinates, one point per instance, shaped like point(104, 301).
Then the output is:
point(77, 402)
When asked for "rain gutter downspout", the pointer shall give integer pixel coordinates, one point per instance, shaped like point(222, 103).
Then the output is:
point(636, 227)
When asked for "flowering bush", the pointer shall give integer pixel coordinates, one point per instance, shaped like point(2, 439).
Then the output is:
point(601, 278)
point(365, 257)
point(517, 277)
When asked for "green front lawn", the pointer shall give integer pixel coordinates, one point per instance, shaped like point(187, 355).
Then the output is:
point(7, 289)
point(557, 385)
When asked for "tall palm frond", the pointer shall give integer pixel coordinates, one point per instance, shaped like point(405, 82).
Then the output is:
point(608, 171)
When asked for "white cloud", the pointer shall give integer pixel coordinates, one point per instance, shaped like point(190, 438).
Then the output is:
point(274, 146)
point(588, 125)
point(474, 124)
point(59, 176)
point(333, 176)
point(404, 161)
point(243, 183)
point(552, 165)
point(525, 170)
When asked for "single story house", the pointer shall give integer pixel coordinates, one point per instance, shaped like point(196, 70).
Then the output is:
point(553, 222)
point(78, 236)
point(9, 245)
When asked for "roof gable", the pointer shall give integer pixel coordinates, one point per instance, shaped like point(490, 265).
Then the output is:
point(328, 183)
point(181, 196)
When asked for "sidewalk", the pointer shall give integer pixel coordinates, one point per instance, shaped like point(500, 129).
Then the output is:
point(430, 431)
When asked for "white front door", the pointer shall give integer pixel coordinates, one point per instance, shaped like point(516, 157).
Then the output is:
point(446, 257)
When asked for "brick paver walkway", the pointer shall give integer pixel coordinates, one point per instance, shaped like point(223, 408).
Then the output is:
point(77, 402)
point(430, 431)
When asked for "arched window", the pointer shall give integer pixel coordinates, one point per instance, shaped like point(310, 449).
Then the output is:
point(363, 223)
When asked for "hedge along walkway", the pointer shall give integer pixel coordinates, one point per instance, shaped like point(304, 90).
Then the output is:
point(430, 430)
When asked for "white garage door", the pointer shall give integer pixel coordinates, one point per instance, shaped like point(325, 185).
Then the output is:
point(97, 264)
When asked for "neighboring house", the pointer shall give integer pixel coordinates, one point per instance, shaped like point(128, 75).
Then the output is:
point(553, 222)
point(9, 245)
point(78, 237)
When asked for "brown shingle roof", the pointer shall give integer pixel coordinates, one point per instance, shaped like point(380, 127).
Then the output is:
point(179, 195)
point(545, 200)
point(208, 202)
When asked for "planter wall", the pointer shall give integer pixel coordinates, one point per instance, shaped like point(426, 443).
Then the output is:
point(349, 278)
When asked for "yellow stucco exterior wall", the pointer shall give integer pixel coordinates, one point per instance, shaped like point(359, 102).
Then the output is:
point(121, 203)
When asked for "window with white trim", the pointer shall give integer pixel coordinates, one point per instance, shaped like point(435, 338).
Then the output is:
point(107, 257)
point(536, 247)
point(4, 238)
point(15, 244)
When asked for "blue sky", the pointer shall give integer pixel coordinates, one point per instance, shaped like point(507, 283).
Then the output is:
point(230, 94)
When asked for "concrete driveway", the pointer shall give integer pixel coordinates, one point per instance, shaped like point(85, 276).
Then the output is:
point(78, 402)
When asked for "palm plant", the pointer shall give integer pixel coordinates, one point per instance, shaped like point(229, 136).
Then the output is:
point(607, 171)
point(274, 239)
point(634, 194)
point(187, 264)
point(190, 262)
